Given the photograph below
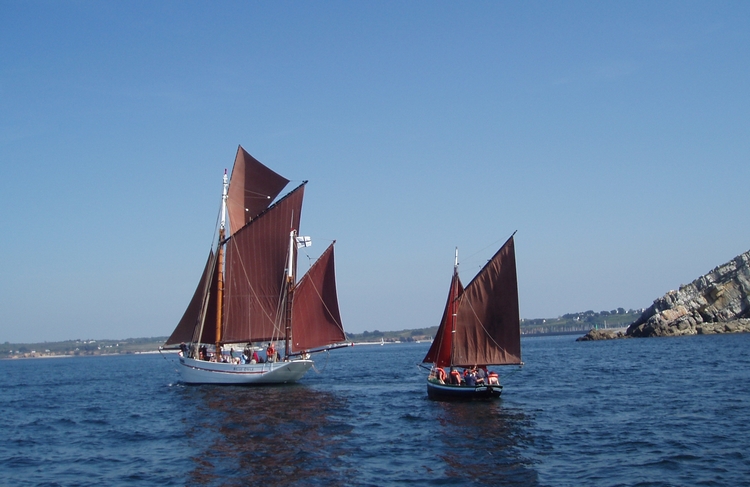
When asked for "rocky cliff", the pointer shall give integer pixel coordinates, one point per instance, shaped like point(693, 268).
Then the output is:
point(718, 302)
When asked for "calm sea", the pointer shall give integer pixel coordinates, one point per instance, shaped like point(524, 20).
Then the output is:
point(672, 411)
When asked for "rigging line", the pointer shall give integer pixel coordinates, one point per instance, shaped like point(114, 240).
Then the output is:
point(283, 296)
point(165, 358)
point(206, 299)
point(328, 356)
point(317, 292)
point(279, 325)
point(260, 195)
point(485, 329)
point(311, 260)
point(493, 245)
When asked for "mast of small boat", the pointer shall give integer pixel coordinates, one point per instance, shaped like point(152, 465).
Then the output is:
point(220, 263)
point(454, 296)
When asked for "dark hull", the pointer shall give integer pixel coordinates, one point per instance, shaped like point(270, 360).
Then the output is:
point(448, 392)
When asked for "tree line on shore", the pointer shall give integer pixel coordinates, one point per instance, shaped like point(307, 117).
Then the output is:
point(570, 322)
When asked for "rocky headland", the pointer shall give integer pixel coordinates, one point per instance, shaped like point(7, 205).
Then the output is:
point(717, 302)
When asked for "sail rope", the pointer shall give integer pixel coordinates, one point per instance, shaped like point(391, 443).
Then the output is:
point(196, 338)
point(483, 327)
point(320, 296)
point(165, 358)
point(328, 355)
point(492, 245)
point(512, 372)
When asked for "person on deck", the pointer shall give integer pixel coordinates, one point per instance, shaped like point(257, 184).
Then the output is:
point(255, 358)
point(270, 353)
point(471, 378)
point(439, 374)
point(455, 377)
point(482, 374)
point(493, 379)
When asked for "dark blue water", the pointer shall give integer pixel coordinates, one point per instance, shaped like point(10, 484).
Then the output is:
point(628, 412)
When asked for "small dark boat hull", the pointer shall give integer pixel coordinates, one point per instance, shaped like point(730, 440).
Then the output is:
point(450, 392)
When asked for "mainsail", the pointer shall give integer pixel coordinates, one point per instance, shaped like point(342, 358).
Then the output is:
point(255, 273)
point(480, 325)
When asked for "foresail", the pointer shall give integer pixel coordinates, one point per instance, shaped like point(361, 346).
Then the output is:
point(316, 320)
point(488, 321)
point(256, 258)
point(252, 189)
point(440, 350)
point(188, 328)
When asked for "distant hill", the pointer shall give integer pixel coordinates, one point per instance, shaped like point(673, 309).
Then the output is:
point(81, 347)
point(571, 322)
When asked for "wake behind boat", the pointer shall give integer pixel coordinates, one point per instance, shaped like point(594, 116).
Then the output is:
point(248, 293)
point(480, 327)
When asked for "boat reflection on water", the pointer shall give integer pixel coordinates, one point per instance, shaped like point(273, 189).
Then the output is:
point(269, 436)
point(485, 442)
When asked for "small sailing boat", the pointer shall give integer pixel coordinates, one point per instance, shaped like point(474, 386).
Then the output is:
point(480, 327)
point(248, 293)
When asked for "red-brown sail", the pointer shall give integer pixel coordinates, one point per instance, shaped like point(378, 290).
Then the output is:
point(316, 320)
point(440, 350)
point(252, 189)
point(254, 276)
point(488, 321)
point(188, 328)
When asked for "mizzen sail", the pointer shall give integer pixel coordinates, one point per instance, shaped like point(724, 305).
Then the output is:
point(316, 320)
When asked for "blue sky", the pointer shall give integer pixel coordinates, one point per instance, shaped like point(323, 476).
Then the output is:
point(613, 136)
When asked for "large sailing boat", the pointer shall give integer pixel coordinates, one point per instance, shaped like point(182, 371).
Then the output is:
point(480, 327)
point(248, 294)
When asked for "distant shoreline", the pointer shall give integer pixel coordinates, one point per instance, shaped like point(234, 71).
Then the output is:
point(65, 355)
point(151, 352)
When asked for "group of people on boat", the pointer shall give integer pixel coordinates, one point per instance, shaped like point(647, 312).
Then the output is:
point(472, 376)
point(248, 356)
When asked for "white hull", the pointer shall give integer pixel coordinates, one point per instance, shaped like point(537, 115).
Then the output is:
point(201, 372)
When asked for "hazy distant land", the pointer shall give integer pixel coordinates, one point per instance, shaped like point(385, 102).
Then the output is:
point(568, 323)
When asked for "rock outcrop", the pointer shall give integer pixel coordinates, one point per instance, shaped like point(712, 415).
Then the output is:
point(601, 335)
point(718, 302)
